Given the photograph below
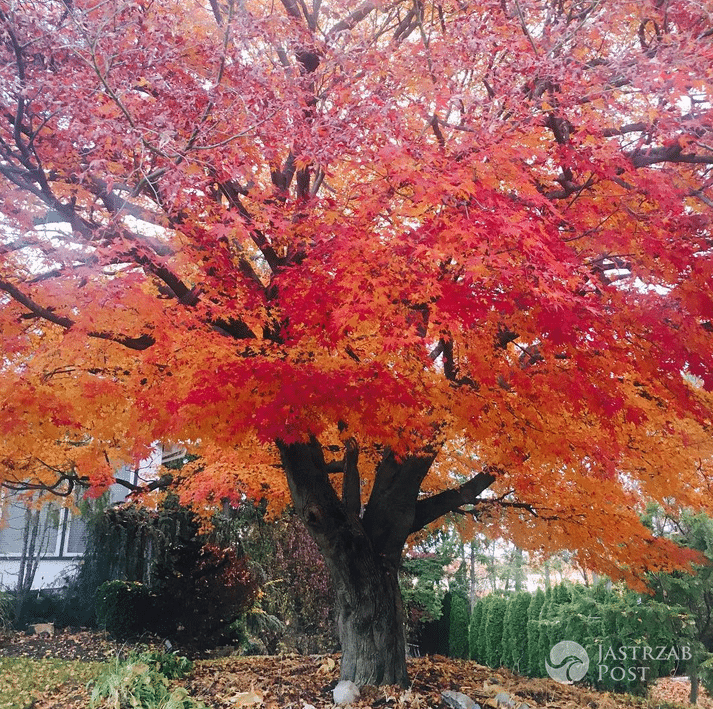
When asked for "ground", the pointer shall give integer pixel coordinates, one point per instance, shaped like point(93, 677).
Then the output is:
point(293, 681)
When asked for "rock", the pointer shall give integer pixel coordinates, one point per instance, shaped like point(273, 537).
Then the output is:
point(502, 699)
point(345, 692)
point(458, 700)
point(492, 687)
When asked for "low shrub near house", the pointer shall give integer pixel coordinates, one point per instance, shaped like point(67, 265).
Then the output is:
point(124, 608)
point(5, 613)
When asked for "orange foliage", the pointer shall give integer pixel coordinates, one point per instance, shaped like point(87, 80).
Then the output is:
point(478, 228)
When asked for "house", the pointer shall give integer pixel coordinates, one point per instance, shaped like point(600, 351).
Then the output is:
point(53, 537)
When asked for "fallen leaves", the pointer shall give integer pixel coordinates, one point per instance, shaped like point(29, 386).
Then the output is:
point(294, 681)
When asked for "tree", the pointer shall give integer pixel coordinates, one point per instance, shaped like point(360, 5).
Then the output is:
point(476, 617)
point(515, 632)
point(690, 594)
point(458, 630)
point(494, 623)
point(534, 658)
point(388, 262)
point(34, 530)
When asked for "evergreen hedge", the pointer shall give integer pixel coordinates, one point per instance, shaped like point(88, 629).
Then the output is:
point(494, 632)
point(474, 632)
point(458, 631)
point(612, 625)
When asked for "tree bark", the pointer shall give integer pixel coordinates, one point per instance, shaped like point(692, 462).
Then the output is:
point(362, 547)
point(693, 696)
point(370, 619)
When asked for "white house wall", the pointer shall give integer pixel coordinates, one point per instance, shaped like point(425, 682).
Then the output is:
point(64, 545)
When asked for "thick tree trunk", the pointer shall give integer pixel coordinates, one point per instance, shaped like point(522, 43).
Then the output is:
point(370, 619)
point(362, 546)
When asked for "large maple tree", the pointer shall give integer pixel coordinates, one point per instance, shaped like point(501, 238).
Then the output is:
point(387, 261)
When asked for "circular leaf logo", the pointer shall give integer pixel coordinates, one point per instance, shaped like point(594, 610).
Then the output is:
point(570, 662)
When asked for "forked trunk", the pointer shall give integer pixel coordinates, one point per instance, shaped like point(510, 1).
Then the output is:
point(363, 562)
point(362, 544)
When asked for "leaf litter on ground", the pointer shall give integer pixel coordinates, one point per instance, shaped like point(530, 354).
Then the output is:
point(294, 681)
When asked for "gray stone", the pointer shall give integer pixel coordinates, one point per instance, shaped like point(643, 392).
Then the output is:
point(458, 700)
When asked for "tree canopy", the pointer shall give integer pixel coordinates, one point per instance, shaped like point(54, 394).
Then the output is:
point(456, 256)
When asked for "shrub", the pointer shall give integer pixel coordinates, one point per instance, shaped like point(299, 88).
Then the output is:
point(142, 682)
point(494, 632)
point(515, 632)
point(123, 608)
point(482, 638)
point(205, 588)
point(534, 659)
point(5, 612)
point(473, 631)
point(458, 630)
point(169, 664)
point(193, 583)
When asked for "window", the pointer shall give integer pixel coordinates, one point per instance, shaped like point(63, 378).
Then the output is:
point(22, 527)
point(75, 535)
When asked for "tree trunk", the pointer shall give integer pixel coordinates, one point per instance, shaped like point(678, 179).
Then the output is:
point(370, 620)
point(362, 546)
point(363, 567)
point(693, 696)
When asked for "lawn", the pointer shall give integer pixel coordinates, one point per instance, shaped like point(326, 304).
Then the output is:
point(25, 681)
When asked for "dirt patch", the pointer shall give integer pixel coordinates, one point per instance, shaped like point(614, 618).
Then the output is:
point(85, 645)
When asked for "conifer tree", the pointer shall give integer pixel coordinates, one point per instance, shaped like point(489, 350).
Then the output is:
point(474, 631)
point(517, 633)
point(507, 644)
point(458, 631)
point(494, 632)
point(482, 630)
point(534, 662)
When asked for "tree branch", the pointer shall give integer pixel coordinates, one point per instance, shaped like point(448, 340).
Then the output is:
point(389, 515)
point(429, 509)
point(134, 343)
point(352, 20)
point(670, 153)
point(351, 492)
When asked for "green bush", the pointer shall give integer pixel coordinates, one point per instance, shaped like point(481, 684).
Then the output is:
point(474, 631)
point(482, 635)
point(444, 625)
point(494, 632)
point(535, 663)
point(458, 630)
point(515, 632)
point(169, 664)
point(5, 612)
point(123, 608)
point(544, 626)
point(142, 682)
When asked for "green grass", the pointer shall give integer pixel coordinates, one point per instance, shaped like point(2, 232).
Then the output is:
point(24, 680)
